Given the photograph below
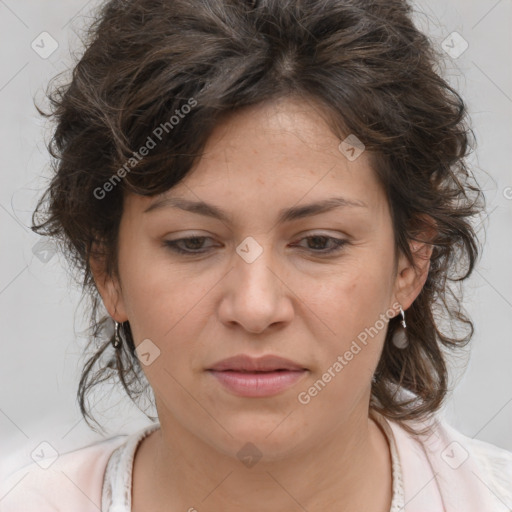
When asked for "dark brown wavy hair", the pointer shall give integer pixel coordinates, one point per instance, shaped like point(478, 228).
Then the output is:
point(367, 69)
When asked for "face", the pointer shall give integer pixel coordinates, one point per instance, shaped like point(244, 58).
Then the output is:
point(316, 289)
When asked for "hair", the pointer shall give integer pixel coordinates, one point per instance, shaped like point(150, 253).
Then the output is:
point(181, 66)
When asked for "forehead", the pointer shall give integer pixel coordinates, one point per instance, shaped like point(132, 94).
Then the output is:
point(273, 155)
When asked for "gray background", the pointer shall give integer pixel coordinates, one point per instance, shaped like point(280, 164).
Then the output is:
point(40, 358)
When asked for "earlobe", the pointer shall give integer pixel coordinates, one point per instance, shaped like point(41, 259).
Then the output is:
point(411, 278)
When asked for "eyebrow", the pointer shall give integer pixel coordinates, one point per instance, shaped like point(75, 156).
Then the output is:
point(285, 215)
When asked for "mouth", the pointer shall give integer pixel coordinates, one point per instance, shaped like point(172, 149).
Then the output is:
point(244, 363)
point(245, 376)
point(257, 384)
point(258, 371)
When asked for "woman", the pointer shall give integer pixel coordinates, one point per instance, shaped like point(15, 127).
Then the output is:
point(269, 199)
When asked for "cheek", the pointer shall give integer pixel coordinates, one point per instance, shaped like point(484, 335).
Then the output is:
point(351, 319)
point(350, 298)
point(354, 311)
point(166, 302)
point(153, 292)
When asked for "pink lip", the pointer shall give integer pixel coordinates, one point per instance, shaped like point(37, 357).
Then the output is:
point(243, 362)
point(257, 384)
point(257, 377)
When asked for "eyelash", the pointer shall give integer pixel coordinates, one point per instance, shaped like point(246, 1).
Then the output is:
point(173, 244)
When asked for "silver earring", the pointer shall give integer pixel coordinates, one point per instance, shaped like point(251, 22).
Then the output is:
point(119, 337)
point(400, 339)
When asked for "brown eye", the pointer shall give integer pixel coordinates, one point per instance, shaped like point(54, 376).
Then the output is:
point(192, 244)
point(319, 242)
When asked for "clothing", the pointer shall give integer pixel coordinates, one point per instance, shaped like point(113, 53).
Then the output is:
point(118, 476)
point(444, 471)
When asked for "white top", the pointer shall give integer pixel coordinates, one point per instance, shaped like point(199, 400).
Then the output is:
point(117, 482)
point(439, 471)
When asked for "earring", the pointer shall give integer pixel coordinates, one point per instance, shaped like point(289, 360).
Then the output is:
point(119, 337)
point(400, 339)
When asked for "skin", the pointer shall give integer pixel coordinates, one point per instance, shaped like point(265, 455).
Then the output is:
point(291, 301)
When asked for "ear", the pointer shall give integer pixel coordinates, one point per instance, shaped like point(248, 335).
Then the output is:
point(108, 287)
point(410, 278)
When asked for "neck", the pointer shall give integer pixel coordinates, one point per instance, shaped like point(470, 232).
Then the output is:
point(350, 469)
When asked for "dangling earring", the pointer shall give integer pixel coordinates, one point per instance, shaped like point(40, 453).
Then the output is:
point(119, 337)
point(400, 339)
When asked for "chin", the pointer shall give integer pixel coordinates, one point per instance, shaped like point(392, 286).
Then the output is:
point(257, 436)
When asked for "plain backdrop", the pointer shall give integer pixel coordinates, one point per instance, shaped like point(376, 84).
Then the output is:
point(41, 346)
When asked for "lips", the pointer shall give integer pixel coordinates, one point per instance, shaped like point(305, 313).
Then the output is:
point(266, 376)
point(245, 363)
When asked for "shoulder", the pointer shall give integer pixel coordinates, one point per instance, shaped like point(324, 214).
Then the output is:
point(467, 471)
point(494, 463)
point(69, 481)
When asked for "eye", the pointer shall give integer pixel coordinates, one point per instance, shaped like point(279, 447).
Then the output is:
point(191, 242)
point(320, 240)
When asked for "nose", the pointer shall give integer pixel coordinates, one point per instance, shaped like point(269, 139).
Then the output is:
point(255, 294)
